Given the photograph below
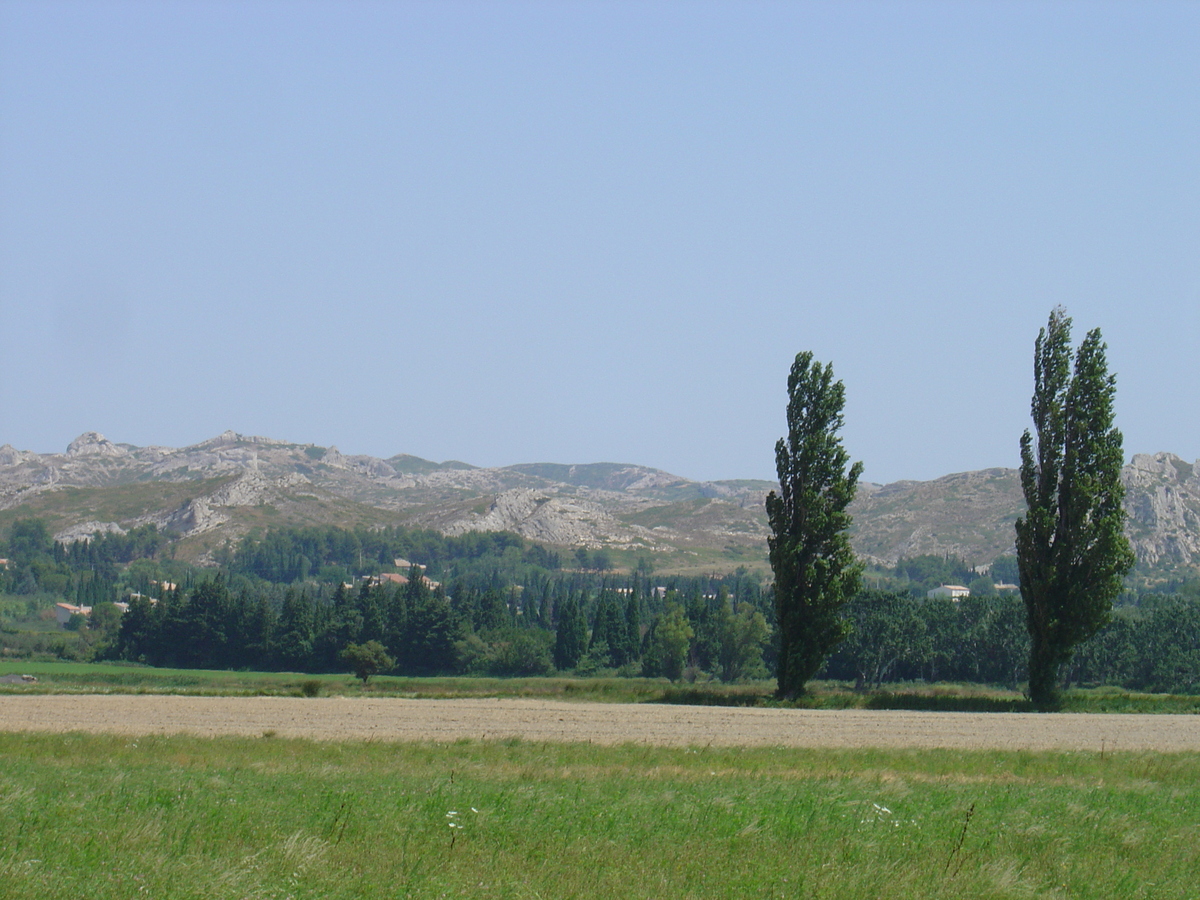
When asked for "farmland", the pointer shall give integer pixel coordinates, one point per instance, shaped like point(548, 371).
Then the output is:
point(235, 785)
point(556, 721)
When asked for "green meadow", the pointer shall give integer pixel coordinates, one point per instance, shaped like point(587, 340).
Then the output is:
point(56, 676)
point(183, 817)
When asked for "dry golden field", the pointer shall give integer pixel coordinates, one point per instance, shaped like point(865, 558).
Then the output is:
point(601, 723)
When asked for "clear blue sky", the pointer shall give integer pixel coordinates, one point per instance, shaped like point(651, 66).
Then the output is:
point(578, 232)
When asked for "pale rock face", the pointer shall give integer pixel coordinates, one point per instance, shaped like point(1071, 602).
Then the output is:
point(85, 531)
point(252, 488)
point(601, 505)
point(206, 513)
point(652, 479)
point(92, 443)
point(11, 456)
point(369, 466)
point(540, 516)
point(193, 517)
point(1162, 499)
point(361, 465)
point(229, 438)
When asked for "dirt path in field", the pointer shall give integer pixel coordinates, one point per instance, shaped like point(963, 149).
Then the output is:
point(537, 720)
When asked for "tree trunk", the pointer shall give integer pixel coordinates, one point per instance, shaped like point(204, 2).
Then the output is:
point(1043, 673)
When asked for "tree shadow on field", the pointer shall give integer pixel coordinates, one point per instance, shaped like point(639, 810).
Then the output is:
point(695, 695)
point(947, 703)
point(700, 696)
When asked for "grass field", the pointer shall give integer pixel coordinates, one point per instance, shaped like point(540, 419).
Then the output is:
point(187, 817)
point(61, 677)
point(179, 817)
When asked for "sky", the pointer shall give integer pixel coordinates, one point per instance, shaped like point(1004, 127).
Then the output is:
point(581, 232)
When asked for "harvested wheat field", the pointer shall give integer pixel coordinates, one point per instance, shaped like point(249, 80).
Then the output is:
point(537, 720)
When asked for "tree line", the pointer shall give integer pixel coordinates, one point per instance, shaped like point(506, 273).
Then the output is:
point(706, 629)
point(702, 627)
point(1149, 644)
point(518, 618)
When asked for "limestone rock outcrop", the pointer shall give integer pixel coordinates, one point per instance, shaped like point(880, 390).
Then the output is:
point(92, 443)
point(1162, 498)
point(85, 531)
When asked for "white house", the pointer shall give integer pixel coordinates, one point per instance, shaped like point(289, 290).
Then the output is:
point(948, 591)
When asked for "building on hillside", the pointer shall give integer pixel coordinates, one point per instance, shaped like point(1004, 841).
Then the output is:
point(397, 578)
point(948, 592)
point(64, 611)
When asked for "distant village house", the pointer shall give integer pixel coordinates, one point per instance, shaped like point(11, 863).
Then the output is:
point(948, 592)
point(64, 611)
point(397, 578)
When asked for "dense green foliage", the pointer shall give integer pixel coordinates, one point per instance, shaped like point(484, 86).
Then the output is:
point(84, 572)
point(519, 619)
point(920, 573)
point(1152, 645)
point(504, 609)
point(285, 556)
point(814, 565)
point(108, 818)
point(425, 630)
point(1071, 548)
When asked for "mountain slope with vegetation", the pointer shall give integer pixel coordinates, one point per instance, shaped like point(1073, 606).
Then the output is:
point(211, 494)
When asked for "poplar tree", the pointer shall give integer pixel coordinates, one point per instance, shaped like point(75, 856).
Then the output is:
point(1072, 553)
point(815, 569)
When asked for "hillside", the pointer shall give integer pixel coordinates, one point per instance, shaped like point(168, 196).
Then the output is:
point(224, 487)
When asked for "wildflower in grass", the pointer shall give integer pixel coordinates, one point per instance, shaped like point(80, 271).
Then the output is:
point(880, 814)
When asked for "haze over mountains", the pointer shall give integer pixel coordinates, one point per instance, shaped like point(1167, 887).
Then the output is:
point(221, 488)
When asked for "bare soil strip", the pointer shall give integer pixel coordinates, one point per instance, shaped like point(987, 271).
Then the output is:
point(551, 721)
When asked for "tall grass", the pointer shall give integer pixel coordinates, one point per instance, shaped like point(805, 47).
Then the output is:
point(181, 817)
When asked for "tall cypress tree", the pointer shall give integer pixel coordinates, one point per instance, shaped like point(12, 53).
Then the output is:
point(427, 645)
point(609, 629)
point(1071, 550)
point(815, 569)
point(570, 637)
point(294, 645)
point(139, 635)
point(633, 627)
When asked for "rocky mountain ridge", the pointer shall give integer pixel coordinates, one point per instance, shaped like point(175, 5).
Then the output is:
point(221, 488)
